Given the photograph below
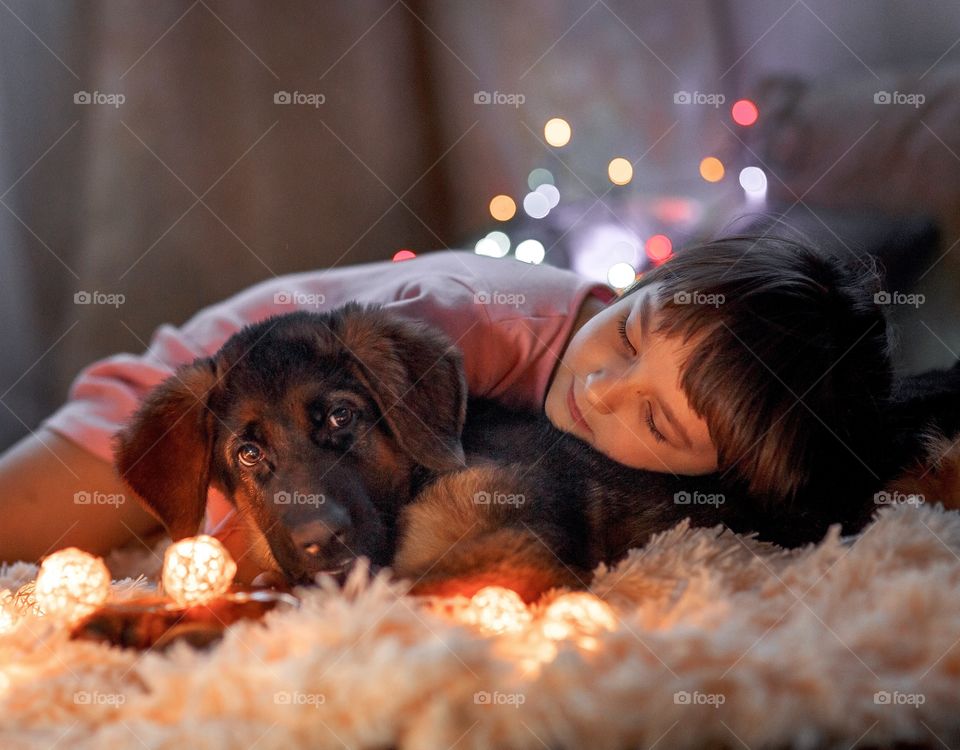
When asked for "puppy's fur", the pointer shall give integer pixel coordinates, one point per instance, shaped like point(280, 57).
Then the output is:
point(365, 414)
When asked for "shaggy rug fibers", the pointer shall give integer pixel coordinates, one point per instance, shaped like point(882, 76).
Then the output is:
point(716, 641)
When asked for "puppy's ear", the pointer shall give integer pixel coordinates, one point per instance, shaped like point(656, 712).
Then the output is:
point(416, 376)
point(164, 452)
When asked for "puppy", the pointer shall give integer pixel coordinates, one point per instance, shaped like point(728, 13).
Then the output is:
point(347, 433)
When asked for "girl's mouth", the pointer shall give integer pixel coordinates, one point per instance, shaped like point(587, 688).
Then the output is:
point(575, 412)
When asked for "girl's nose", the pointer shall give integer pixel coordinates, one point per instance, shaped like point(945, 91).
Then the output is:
point(601, 390)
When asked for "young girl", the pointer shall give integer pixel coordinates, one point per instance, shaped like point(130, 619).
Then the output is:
point(756, 357)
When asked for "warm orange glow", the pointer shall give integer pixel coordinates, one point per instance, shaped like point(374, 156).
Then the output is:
point(503, 208)
point(620, 171)
point(196, 570)
point(557, 132)
point(71, 583)
point(711, 169)
point(497, 610)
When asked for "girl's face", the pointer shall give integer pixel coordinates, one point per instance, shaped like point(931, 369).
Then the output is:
point(623, 396)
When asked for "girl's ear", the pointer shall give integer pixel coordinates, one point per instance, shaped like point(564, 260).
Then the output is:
point(164, 452)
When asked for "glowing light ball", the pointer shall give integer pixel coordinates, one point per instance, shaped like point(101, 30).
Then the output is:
point(530, 251)
point(550, 193)
point(620, 171)
point(71, 583)
point(536, 205)
point(658, 248)
point(577, 613)
point(503, 207)
point(711, 169)
point(744, 112)
point(495, 609)
point(503, 242)
point(197, 570)
point(403, 255)
point(621, 275)
point(538, 177)
point(557, 132)
point(753, 180)
point(26, 600)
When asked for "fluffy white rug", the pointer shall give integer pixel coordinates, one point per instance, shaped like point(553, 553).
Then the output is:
point(717, 640)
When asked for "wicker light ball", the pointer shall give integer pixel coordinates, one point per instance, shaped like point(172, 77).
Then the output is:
point(71, 583)
point(495, 609)
point(197, 570)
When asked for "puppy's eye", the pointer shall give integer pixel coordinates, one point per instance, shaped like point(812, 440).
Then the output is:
point(249, 454)
point(341, 417)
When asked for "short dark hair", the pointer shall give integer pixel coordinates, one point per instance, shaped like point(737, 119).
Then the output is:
point(790, 359)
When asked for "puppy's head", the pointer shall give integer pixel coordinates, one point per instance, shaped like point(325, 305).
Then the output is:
point(316, 426)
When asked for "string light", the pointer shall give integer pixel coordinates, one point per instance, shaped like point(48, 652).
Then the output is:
point(71, 583)
point(620, 171)
point(503, 208)
point(557, 132)
point(744, 112)
point(197, 570)
point(494, 609)
point(711, 169)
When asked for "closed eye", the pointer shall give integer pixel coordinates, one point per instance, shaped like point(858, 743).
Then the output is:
point(622, 328)
point(651, 425)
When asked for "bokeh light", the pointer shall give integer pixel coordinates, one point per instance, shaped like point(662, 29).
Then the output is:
point(744, 112)
point(621, 275)
point(488, 247)
point(551, 193)
point(753, 180)
point(658, 248)
point(503, 208)
point(196, 570)
point(71, 583)
point(502, 240)
point(536, 205)
point(538, 177)
point(620, 171)
point(403, 255)
point(557, 131)
point(711, 169)
point(530, 251)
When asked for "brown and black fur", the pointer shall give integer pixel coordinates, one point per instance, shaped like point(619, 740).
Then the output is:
point(402, 482)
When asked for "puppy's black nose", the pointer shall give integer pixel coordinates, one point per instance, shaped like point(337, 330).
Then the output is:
point(314, 537)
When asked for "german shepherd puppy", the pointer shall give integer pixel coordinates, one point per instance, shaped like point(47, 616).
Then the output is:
point(348, 433)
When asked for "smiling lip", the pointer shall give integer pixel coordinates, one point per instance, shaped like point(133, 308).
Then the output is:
point(575, 412)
